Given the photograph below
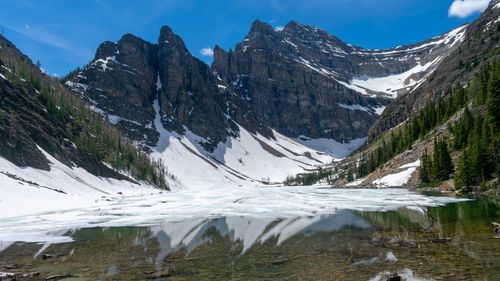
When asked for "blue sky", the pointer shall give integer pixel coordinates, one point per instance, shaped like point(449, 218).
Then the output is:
point(64, 34)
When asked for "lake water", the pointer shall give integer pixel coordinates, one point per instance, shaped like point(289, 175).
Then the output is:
point(281, 234)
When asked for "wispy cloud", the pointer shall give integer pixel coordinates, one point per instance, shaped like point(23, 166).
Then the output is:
point(207, 52)
point(40, 35)
point(465, 8)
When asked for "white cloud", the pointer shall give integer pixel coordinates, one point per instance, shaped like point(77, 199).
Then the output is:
point(279, 28)
point(465, 8)
point(207, 52)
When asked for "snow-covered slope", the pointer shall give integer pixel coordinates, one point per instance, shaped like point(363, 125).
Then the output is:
point(245, 159)
point(26, 190)
point(248, 159)
point(427, 55)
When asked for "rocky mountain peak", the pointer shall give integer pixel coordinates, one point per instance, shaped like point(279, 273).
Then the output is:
point(168, 38)
point(219, 52)
point(105, 49)
point(292, 25)
point(298, 29)
point(260, 27)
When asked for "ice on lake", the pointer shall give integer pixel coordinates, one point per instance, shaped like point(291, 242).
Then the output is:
point(247, 212)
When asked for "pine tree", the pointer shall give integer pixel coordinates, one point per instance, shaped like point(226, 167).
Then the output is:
point(425, 168)
point(493, 97)
point(435, 162)
point(350, 176)
point(463, 178)
point(445, 162)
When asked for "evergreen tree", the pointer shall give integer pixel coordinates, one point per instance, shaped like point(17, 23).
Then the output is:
point(425, 168)
point(463, 178)
point(444, 161)
point(435, 161)
point(493, 96)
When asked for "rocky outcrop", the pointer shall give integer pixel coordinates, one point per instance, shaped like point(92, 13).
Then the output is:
point(299, 79)
point(189, 93)
point(120, 81)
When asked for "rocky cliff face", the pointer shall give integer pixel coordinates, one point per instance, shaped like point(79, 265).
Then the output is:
point(127, 78)
point(300, 81)
point(120, 81)
point(303, 81)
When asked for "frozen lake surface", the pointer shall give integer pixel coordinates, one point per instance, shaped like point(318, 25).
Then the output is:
point(258, 207)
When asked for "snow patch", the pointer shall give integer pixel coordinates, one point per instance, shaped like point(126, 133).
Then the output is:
point(391, 84)
point(103, 63)
point(406, 274)
point(356, 88)
point(114, 119)
point(397, 179)
point(370, 109)
point(355, 183)
point(330, 146)
point(354, 107)
point(411, 165)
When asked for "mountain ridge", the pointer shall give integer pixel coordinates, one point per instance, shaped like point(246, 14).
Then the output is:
point(299, 82)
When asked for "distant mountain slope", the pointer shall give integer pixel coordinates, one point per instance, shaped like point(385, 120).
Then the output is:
point(481, 43)
point(428, 135)
point(40, 119)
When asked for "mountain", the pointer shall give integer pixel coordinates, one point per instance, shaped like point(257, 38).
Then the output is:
point(442, 133)
point(480, 43)
point(304, 81)
point(284, 102)
point(50, 140)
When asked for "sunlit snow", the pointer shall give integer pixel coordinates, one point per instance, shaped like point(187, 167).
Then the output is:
point(393, 83)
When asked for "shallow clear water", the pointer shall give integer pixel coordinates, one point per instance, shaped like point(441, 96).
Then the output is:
point(447, 242)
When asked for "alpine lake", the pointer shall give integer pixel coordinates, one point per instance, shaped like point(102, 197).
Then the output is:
point(455, 241)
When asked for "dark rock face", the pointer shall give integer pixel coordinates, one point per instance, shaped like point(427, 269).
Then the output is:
point(286, 93)
point(121, 82)
point(481, 44)
point(189, 94)
point(126, 78)
point(16, 144)
point(296, 79)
